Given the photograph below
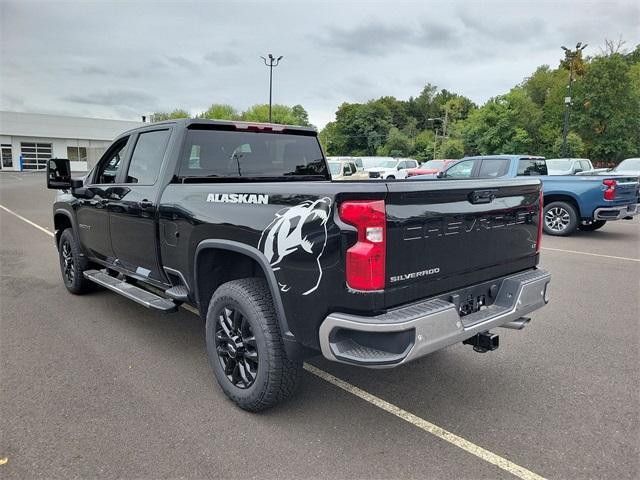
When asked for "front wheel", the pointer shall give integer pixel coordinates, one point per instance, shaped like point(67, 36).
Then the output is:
point(73, 264)
point(245, 347)
point(391, 177)
point(592, 226)
point(560, 219)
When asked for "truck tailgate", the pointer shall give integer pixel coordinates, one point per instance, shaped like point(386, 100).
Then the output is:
point(447, 234)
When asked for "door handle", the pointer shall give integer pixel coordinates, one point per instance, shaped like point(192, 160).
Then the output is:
point(482, 196)
point(145, 203)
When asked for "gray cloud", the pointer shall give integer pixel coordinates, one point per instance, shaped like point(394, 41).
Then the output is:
point(93, 70)
point(136, 60)
point(368, 39)
point(183, 62)
point(223, 59)
point(131, 98)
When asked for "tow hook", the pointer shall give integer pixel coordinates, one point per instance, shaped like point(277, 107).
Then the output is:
point(483, 342)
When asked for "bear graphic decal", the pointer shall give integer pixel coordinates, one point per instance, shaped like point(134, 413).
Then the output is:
point(295, 239)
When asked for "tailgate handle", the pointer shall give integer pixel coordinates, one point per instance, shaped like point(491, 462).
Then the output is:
point(482, 196)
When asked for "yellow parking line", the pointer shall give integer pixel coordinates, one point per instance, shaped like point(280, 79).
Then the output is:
point(421, 423)
point(591, 254)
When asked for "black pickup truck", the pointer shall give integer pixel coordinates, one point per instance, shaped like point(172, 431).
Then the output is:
point(243, 222)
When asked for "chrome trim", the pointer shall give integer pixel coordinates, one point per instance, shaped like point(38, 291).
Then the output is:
point(437, 323)
point(621, 212)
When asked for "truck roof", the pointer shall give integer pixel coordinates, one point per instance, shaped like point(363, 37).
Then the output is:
point(241, 125)
point(511, 157)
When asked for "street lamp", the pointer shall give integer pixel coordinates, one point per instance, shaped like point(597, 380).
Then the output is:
point(570, 55)
point(272, 62)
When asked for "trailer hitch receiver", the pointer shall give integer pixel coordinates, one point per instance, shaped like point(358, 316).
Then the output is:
point(483, 342)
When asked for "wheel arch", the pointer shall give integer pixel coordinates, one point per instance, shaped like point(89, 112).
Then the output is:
point(560, 197)
point(241, 261)
point(62, 220)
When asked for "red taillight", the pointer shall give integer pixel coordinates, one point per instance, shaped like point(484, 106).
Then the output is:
point(610, 190)
point(366, 259)
point(540, 220)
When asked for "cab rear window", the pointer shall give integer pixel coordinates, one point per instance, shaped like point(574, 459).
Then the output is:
point(237, 154)
point(532, 166)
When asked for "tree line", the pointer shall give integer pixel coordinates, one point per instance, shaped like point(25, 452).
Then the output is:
point(604, 124)
point(281, 114)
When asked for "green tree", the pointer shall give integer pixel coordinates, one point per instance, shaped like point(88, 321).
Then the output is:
point(451, 148)
point(607, 101)
point(281, 114)
point(301, 115)
point(505, 124)
point(162, 116)
point(423, 146)
point(397, 144)
point(220, 111)
point(575, 146)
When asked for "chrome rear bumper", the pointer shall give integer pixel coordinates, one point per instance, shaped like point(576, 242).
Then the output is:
point(406, 333)
point(616, 213)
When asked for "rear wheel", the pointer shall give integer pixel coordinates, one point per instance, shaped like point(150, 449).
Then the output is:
point(73, 264)
point(245, 347)
point(560, 219)
point(591, 226)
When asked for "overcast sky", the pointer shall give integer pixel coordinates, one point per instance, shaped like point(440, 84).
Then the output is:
point(122, 59)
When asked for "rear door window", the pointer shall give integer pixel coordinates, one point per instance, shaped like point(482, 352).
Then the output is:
point(531, 167)
point(493, 167)
point(147, 156)
point(232, 154)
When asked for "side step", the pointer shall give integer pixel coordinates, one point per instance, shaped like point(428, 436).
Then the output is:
point(179, 293)
point(132, 292)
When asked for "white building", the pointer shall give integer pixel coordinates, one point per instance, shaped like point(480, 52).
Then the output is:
point(31, 139)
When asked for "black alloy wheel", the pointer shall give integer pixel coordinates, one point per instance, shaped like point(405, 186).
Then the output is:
point(236, 347)
point(68, 272)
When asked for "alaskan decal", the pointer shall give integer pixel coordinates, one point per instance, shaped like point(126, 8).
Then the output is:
point(238, 198)
point(297, 237)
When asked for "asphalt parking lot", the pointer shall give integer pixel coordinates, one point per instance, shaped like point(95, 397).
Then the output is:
point(99, 387)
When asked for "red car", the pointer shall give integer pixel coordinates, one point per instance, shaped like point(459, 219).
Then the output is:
point(430, 167)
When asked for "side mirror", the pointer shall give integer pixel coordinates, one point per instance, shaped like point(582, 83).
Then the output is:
point(440, 174)
point(347, 173)
point(59, 174)
point(578, 170)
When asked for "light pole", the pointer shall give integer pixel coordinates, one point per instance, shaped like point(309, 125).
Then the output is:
point(444, 121)
point(272, 62)
point(570, 55)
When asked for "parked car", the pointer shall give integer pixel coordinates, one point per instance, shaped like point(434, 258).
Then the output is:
point(570, 202)
point(243, 222)
point(430, 167)
point(387, 168)
point(569, 166)
point(630, 166)
point(346, 170)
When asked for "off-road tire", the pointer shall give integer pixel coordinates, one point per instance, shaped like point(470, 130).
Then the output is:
point(276, 376)
point(72, 273)
point(568, 221)
point(590, 227)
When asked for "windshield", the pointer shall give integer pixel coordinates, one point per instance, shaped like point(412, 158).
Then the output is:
point(559, 164)
point(434, 164)
point(334, 168)
point(628, 164)
point(224, 153)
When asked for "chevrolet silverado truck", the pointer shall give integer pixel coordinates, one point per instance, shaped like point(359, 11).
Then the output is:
point(242, 222)
point(584, 202)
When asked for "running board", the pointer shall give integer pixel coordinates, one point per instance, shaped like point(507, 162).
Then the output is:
point(138, 295)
